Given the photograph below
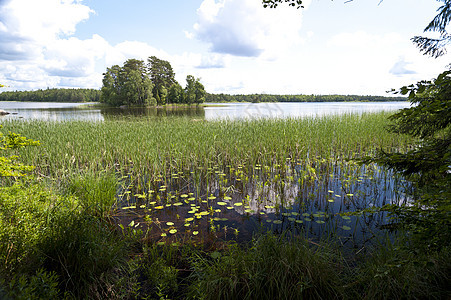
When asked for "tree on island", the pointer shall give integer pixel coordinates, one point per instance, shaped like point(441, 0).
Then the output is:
point(127, 85)
point(136, 83)
point(162, 77)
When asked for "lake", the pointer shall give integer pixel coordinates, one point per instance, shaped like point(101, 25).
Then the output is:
point(211, 111)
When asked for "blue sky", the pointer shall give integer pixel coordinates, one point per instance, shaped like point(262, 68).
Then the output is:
point(234, 46)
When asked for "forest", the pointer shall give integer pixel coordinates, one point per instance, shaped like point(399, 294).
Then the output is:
point(53, 95)
point(255, 98)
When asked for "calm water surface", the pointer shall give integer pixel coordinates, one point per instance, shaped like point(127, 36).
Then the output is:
point(213, 111)
point(276, 198)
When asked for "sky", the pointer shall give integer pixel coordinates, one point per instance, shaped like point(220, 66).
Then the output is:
point(360, 47)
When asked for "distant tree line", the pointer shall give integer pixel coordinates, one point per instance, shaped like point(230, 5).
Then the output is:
point(255, 98)
point(152, 83)
point(53, 95)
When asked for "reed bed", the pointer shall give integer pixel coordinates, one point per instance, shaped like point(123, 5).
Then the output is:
point(155, 146)
point(289, 174)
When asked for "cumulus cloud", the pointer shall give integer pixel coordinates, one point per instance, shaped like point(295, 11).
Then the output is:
point(400, 68)
point(38, 49)
point(245, 28)
point(210, 60)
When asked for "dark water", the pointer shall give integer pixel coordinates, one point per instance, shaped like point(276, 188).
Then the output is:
point(212, 111)
point(234, 203)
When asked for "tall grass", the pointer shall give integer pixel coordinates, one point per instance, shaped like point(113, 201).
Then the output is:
point(160, 146)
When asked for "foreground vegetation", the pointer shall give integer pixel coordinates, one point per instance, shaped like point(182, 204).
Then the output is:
point(60, 237)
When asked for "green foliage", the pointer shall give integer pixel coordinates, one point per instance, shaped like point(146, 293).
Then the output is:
point(9, 167)
point(151, 84)
point(162, 76)
point(274, 267)
point(53, 95)
point(40, 286)
point(296, 98)
point(428, 164)
point(127, 85)
point(436, 47)
point(63, 235)
point(392, 272)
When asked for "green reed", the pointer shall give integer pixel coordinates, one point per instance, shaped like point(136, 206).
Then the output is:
point(146, 146)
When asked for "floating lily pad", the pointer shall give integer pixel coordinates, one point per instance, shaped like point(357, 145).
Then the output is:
point(173, 231)
point(178, 204)
point(346, 227)
point(294, 213)
point(195, 232)
point(277, 222)
point(291, 219)
point(299, 221)
point(189, 219)
point(320, 221)
point(222, 203)
point(169, 223)
point(227, 198)
point(238, 204)
point(183, 196)
point(159, 207)
point(331, 200)
point(163, 234)
point(307, 219)
point(129, 207)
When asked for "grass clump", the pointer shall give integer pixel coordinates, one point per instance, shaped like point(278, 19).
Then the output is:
point(393, 271)
point(67, 240)
point(274, 267)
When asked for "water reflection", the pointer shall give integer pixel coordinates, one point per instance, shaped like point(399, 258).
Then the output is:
point(211, 111)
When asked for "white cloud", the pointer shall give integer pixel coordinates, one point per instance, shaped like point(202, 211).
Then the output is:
point(245, 28)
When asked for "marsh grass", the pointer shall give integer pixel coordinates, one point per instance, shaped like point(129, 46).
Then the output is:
point(67, 235)
point(299, 173)
point(165, 146)
point(272, 267)
point(286, 164)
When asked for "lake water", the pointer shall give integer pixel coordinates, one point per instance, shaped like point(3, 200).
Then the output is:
point(212, 111)
point(261, 197)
